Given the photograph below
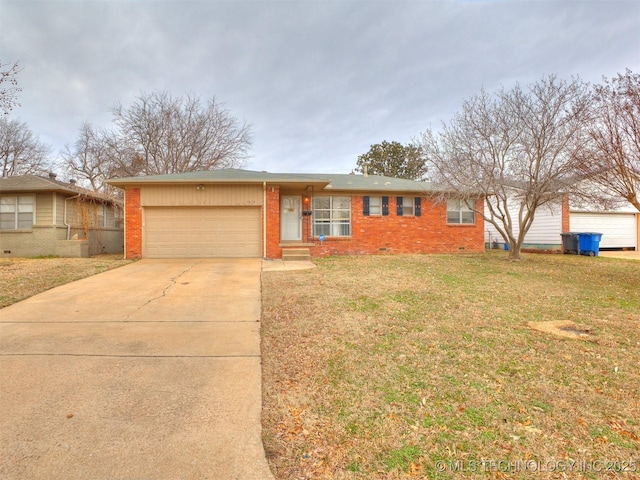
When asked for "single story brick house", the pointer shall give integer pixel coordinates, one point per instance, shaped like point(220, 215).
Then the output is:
point(242, 213)
point(44, 216)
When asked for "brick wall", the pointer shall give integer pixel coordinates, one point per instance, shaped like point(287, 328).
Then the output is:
point(40, 240)
point(272, 210)
point(566, 225)
point(43, 240)
point(73, 248)
point(428, 233)
point(133, 222)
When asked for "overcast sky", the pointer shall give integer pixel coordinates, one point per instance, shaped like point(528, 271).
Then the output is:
point(319, 81)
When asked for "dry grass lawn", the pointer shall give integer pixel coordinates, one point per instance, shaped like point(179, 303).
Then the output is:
point(384, 367)
point(21, 278)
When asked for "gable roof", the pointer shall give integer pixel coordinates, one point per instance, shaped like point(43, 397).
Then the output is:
point(36, 183)
point(343, 182)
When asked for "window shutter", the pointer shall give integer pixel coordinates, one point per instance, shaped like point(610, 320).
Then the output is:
point(418, 206)
point(399, 206)
point(365, 206)
point(385, 206)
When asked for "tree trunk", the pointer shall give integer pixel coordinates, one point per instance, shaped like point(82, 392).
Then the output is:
point(514, 251)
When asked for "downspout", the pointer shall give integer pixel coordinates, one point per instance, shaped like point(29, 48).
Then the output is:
point(124, 222)
point(55, 210)
point(65, 215)
point(264, 219)
point(637, 232)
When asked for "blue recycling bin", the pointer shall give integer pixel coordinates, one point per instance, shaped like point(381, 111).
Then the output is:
point(589, 243)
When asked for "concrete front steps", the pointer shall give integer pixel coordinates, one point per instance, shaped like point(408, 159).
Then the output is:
point(293, 254)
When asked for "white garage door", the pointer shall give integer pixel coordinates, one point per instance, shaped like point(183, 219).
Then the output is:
point(191, 232)
point(619, 230)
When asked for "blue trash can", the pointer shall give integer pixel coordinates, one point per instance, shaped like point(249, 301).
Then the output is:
point(590, 243)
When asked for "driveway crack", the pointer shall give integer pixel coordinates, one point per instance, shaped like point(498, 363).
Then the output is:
point(172, 283)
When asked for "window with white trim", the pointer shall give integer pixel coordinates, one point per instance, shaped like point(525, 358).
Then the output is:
point(408, 209)
point(16, 212)
point(332, 216)
point(458, 212)
point(375, 205)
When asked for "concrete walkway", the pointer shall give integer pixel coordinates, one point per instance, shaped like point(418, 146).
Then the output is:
point(149, 371)
point(625, 255)
point(277, 265)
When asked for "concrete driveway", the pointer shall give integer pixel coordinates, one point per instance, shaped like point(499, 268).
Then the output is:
point(625, 255)
point(149, 371)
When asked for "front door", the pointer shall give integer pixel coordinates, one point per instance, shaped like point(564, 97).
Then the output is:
point(291, 217)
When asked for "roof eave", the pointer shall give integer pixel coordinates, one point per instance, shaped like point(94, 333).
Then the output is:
point(289, 182)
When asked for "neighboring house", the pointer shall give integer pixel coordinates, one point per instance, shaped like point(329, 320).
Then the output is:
point(43, 216)
point(620, 227)
point(241, 213)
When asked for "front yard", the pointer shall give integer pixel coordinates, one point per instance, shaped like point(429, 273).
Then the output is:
point(380, 367)
point(21, 278)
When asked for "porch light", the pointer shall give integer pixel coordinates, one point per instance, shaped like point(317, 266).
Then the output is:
point(200, 187)
point(306, 201)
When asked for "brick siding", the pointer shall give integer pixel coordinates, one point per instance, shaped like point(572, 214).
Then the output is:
point(272, 209)
point(133, 222)
point(565, 214)
point(391, 234)
point(39, 240)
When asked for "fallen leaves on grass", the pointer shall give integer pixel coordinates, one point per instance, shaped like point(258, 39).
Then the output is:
point(25, 277)
point(392, 363)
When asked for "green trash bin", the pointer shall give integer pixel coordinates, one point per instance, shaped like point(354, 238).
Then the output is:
point(571, 243)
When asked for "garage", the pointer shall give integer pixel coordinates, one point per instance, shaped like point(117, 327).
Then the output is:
point(619, 229)
point(201, 232)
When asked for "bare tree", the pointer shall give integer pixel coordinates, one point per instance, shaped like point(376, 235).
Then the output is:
point(21, 152)
point(160, 134)
point(516, 148)
point(612, 160)
point(8, 87)
point(90, 159)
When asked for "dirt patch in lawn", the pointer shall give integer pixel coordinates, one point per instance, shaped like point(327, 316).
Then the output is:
point(563, 328)
point(24, 277)
point(389, 367)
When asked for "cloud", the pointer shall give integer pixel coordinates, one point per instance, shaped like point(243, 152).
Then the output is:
point(320, 81)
